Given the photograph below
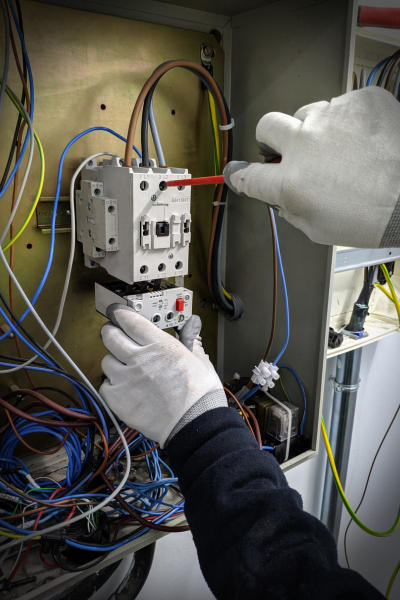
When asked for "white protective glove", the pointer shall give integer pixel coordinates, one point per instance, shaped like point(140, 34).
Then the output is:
point(339, 179)
point(155, 384)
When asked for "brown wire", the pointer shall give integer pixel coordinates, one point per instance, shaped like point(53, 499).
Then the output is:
point(367, 483)
point(275, 292)
point(105, 459)
point(83, 419)
point(225, 136)
point(355, 82)
point(15, 192)
point(129, 509)
point(255, 424)
point(391, 73)
point(275, 295)
point(240, 408)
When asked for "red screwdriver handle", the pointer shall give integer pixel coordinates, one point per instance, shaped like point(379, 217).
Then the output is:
point(212, 180)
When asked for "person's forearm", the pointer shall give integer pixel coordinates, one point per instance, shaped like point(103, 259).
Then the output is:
point(252, 536)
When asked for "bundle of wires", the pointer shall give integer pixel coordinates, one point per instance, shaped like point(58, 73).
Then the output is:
point(388, 67)
point(229, 302)
point(82, 433)
point(82, 436)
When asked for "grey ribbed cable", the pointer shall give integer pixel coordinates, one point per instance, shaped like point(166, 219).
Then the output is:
point(6, 55)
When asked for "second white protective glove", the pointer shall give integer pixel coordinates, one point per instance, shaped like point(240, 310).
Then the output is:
point(156, 384)
point(339, 179)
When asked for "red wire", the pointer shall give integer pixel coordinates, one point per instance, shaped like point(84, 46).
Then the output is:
point(46, 562)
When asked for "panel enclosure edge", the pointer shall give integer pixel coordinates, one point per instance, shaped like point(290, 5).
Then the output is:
point(293, 77)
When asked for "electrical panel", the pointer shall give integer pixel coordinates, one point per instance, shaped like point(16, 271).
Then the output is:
point(139, 229)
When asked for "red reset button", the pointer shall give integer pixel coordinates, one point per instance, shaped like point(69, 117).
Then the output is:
point(180, 304)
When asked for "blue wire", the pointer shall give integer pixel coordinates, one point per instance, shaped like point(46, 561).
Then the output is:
point(251, 392)
point(268, 448)
point(302, 391)
point(53, 219)
point(32, 101)
point(278, 251)
point(116, 545)
point(376, 69)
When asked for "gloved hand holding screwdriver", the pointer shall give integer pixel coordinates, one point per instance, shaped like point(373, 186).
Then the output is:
point(339, 182)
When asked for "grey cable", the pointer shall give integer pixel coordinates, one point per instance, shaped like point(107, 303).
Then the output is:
point(156, 137)
point(28, 165)
point(6, 55)
point(363, 78)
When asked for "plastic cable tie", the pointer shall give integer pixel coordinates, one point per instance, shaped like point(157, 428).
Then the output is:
point(219, 203)
point(227, 127)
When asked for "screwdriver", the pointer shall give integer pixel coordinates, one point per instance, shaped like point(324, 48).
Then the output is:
point(212, 180)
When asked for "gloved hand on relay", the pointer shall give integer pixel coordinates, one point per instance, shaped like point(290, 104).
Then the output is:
point(156, 383)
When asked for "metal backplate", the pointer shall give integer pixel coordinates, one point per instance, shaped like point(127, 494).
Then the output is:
point(88, 71)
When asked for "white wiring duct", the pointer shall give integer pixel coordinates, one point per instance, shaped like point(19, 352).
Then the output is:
point(51, 339)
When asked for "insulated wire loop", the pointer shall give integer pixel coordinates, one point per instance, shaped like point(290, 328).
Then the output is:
point(343, 496)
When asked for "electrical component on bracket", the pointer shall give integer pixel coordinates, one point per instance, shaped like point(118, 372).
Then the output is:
point(162, 303)
point(139, 229)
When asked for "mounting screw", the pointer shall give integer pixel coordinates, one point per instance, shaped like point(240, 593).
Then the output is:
point(170, 256)
point(154, 197)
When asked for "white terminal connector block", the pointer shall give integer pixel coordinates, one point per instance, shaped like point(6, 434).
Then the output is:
point(265, 375)
point(131, 223)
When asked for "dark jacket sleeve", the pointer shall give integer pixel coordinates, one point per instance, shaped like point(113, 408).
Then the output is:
point(253, 539)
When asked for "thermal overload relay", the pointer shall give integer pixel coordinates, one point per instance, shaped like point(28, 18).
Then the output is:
point(265, 375)
point(162, 303)
point(131, 223)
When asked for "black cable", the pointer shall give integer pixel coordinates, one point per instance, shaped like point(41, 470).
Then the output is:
point(28, 335)
point(23, 97)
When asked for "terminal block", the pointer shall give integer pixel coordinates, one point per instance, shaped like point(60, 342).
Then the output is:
point(131, 223)
point(162, 303)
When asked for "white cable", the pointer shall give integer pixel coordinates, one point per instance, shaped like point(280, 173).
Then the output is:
point(70, 261)
point(27, 169)
point(289, 425)
point(94, 392)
